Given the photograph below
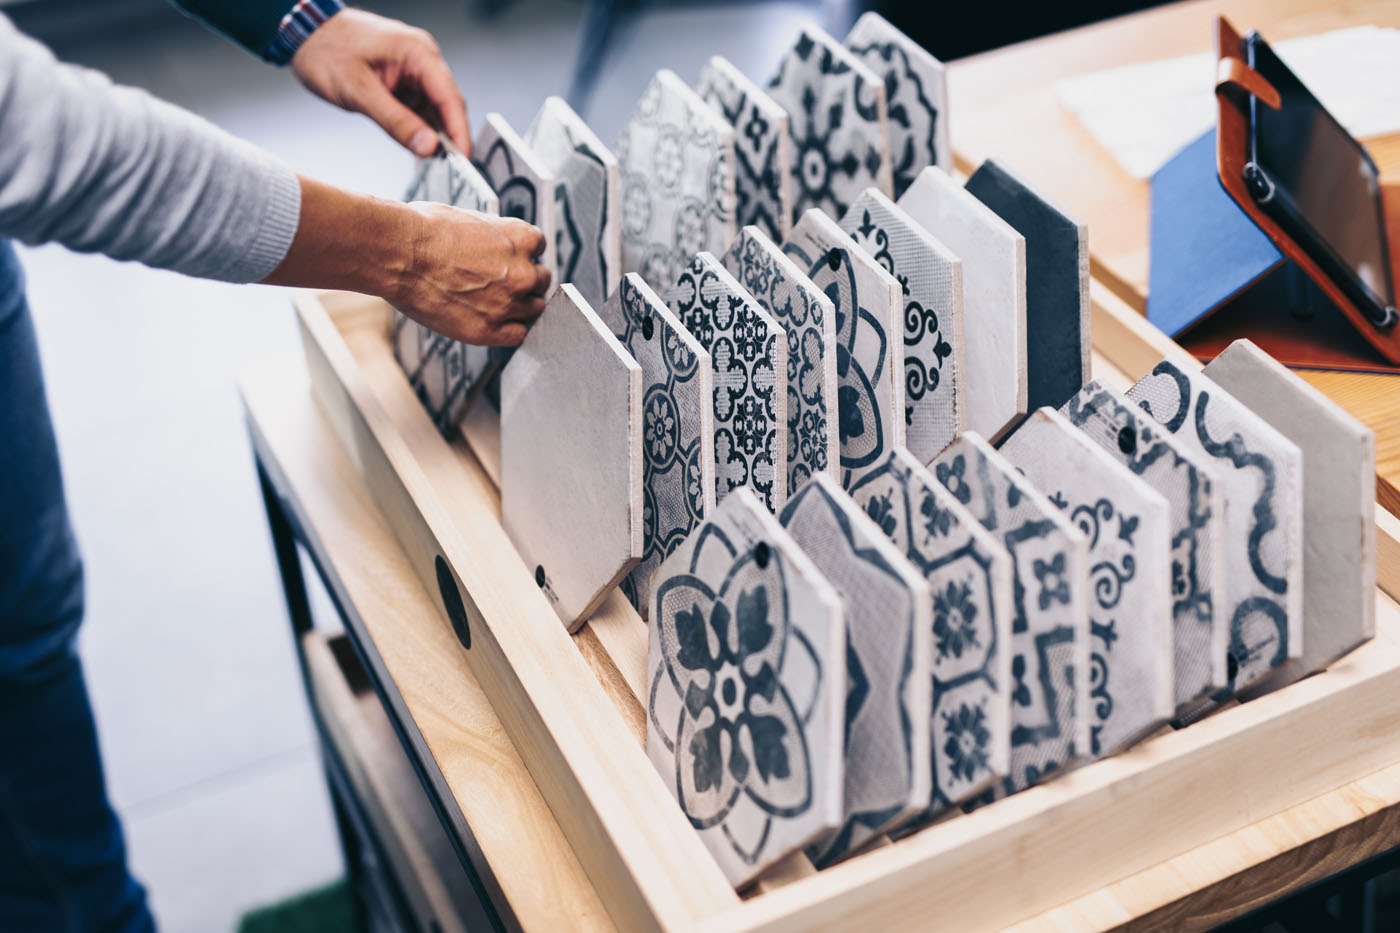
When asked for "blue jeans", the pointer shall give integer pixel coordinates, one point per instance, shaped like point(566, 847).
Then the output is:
point(62, 856)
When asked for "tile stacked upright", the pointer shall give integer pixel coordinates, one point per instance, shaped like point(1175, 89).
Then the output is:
point(1050, 593)
point(746, 688)
point(678, 182)
point(840, 128)
point(762, 147)
point(889, 687)
point(749, 350)
point(916, 93)
point(931, 279)
point(869, 339)
point(442, 371)
point(1339, 500)
point(1131, 691)
point(1057, 284)
point(528, 191)
point(970, 579)
point(809, 319)
point(1261, 472)
point(993, 258)
point(678, 453)
point(588, 200)
point(1196, 499)
point(571, 456)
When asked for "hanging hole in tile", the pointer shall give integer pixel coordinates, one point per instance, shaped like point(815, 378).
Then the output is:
point(1127, 440)
point(648, 328)
point(761, 554)
point(540, 576)
point(833, 260)
point(452, 602)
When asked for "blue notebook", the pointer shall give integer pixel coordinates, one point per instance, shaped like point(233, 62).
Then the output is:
point(1205, 249)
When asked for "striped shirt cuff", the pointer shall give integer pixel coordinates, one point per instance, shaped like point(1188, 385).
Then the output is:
point(299, 23)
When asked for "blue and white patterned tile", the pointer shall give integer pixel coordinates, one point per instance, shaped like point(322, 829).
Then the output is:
point(678, 181)
point(527, 191)
point(678, 457)
point(587, 196)
point(888, 659)
point(525, 187)
point(746, 689)
point(441, 370)
point(572, 395)
point(809, 319)
point(1261, 473)
point(1339, 501)
point(1050, 712)
point(1128, 524)
point(869, 341)
point(969, 575)
point(1191, 485)
point(993, 259)
point(930, 277)
point(749, 350)
point(840, 127)
point(762, 147)
point(916, 94)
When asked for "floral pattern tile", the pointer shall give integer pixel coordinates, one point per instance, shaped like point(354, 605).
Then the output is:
point(930, 277)
point(1127, 522)
point(746, 688)
point(762, 147)
point(1262, 475)
point(1050, 613)
point(869, 345)
point(678, 181)
point(916, 94)
point(969, 575)
point(678, 464)
point(441, 370)
point(1195, 497)
point(840, 127)
point(888, 658)
point(587, 200)
point(808, 318)
point(749, 350)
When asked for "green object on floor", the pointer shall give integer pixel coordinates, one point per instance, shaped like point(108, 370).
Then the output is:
point(322, 910)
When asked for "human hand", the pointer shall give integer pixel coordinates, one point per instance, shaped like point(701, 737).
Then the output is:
point(390, 72)
point(473, 277)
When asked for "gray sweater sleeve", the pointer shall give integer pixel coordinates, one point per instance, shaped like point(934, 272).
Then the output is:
point(102, 168)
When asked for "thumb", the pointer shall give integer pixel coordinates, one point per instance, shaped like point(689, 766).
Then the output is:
point(410, 130)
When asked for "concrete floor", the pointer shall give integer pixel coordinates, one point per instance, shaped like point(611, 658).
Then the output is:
point(208, 744)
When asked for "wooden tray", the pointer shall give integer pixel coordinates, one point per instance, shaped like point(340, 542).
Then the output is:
point(572, 706)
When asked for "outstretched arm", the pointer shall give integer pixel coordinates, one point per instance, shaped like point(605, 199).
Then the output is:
point(108, 169)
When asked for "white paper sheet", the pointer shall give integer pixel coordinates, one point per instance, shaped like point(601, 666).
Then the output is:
point(1144, 114)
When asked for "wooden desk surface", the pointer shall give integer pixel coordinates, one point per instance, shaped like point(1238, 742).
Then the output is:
point(1003, 104)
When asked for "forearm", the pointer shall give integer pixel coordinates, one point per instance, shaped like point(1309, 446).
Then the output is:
point(108, 169)
point(350, 241)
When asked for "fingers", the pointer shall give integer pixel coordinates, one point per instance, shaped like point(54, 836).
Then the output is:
point(410, 130)
point(441, 94)
point(542, 280)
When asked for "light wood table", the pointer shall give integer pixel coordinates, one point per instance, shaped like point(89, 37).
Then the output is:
point(1003, 104)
